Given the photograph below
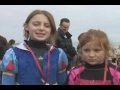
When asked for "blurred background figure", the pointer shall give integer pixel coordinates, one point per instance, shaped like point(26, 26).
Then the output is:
point(118, 62)
point(64, 41)
point(78, 60)
point(11, 43)
point(3, 48)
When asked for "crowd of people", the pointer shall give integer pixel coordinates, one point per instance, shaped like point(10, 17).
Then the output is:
point(47, 55)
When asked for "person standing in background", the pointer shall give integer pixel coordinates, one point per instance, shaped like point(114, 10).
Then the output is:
point(79, 60)
point(64, 41)
point(11, 43)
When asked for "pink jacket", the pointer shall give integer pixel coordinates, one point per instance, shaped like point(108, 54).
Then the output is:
point(74, 78)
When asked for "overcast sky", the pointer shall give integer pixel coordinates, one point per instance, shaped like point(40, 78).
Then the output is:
point(82, 17)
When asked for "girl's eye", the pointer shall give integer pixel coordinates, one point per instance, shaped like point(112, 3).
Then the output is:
point(47, 25)
point(86, 50)
point(97, 50)
point(35, 24)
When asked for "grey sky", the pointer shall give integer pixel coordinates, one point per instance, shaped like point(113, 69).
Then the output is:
point(82, 17)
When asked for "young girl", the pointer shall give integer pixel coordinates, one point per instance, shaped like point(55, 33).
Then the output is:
point(94, 50)
point(36, 61)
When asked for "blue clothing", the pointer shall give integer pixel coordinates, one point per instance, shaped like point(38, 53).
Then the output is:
point(20, 62)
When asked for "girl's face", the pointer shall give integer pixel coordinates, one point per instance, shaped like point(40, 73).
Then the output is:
point(39, 27)
point(92, 54)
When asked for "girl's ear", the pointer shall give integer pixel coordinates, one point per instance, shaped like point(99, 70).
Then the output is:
point(26, 28)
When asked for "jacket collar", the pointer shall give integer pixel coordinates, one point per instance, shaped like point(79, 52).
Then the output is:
point(24, 47)
point(63, 34)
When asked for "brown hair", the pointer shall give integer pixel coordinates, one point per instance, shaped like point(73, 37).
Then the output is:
point(3, 46)
point(99, 37)
point(51, 20)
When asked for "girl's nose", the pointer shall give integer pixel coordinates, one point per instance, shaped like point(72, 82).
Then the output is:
point(41, 27)
point(92, 53)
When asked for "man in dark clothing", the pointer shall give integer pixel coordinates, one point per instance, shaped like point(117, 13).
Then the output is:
point(64, 40)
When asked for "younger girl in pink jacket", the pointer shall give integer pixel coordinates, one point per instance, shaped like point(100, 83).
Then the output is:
point(94, 51)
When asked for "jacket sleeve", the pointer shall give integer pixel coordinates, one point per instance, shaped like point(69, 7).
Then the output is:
point(62, 65)
point(9, 67)
point(116, 75)
point(71, 78)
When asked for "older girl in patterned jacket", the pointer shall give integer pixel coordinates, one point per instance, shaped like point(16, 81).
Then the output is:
point(36, 61)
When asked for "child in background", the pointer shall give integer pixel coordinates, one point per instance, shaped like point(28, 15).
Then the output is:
point(36, 61)
point(96, 70)
point(11, 43)
point(79, 60)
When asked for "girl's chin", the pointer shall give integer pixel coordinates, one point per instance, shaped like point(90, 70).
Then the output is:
point(40, 39)
point(93, 63)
